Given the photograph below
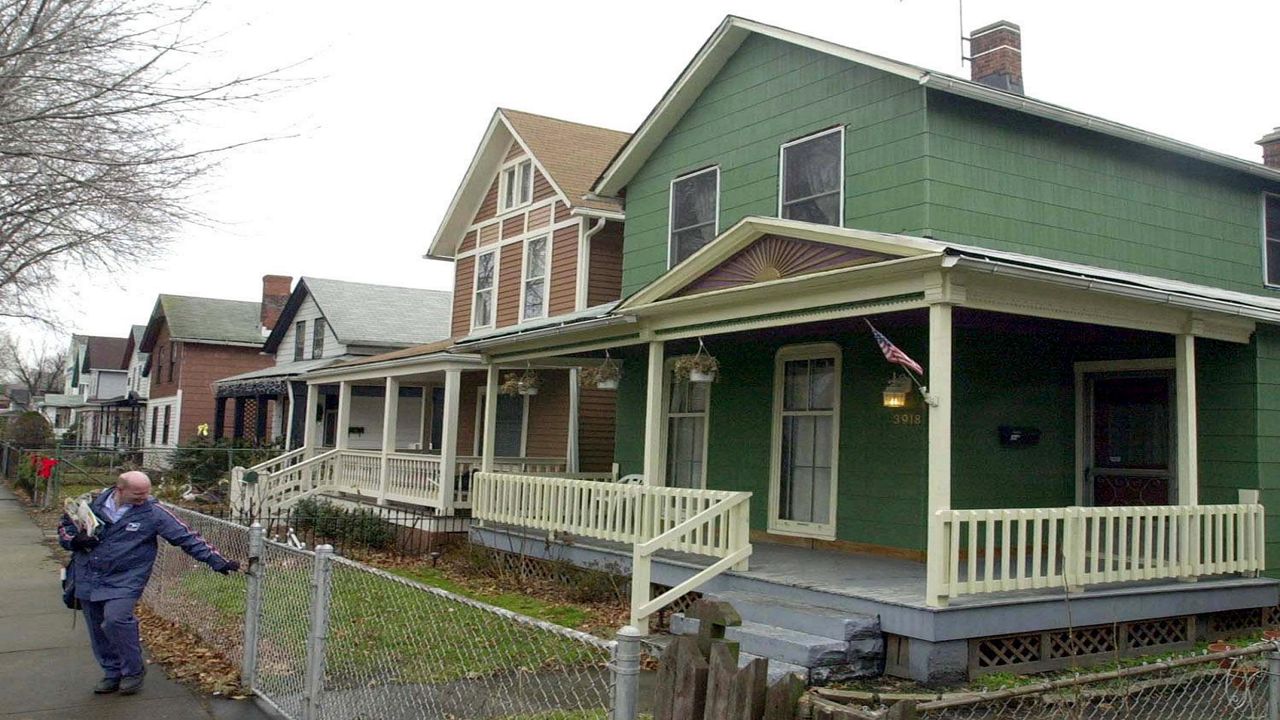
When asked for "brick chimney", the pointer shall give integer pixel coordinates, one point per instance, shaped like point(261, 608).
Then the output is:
point(996, 56)
point(1271, 149)
point(275, 293)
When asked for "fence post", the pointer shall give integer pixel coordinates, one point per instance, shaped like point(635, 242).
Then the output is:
point(626, 673)
point(313, 682)
point(252, 607)
point(1273, 684)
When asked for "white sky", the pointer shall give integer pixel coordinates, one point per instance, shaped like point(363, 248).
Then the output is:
point(404, 91)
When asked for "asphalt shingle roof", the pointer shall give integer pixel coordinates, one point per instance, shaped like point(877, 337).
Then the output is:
point(104, 353)
point(382, 315)
point(212, 320)
point(574, 154)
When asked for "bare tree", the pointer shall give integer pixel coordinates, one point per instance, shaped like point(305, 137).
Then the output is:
point(38, 367)
point(93, 174)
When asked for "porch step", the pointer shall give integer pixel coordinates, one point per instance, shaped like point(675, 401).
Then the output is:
point(805, 617)
point(776, 643)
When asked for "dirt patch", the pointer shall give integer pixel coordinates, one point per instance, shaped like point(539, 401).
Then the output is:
point(186, 659)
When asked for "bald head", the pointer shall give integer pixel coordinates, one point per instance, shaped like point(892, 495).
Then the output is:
point(133, 487)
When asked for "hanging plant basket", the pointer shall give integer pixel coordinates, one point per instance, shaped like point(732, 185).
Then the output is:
point(601, 377)
point(700, 368)
point(525, 383)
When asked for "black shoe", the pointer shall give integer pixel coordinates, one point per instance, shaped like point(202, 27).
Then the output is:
point(106, 685)
point(130, 684)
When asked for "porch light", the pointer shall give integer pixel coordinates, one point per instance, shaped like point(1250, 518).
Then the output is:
point(895, 393)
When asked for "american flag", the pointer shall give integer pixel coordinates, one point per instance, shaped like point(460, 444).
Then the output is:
point(892, 353)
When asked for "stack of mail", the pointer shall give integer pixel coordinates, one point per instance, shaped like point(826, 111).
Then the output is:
point(79, 511)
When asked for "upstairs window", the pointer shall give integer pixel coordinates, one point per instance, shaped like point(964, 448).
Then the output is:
point(317, 339)
point(517, 185)
point(482, 299)
point(173, 358)
point(535, 278)
point(695, 200)
point(812, 182)
point(299, 339)
point(1272, 223)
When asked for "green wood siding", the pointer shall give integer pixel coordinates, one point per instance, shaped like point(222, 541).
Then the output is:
point(1267, 344)
point(769, 93)
point(1008, 181)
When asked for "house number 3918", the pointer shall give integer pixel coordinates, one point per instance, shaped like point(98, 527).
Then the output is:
point(908, 419)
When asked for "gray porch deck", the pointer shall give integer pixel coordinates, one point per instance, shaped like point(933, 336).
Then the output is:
point(894, 589)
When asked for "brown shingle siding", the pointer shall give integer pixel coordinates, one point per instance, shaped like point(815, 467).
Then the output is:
point(463, 286)
point(596, 413)
point(542, 189)
point(564, 271)
point(604, 274)
point(548, 426)
point(488, 206)
point(513, 152)
point(509, 269)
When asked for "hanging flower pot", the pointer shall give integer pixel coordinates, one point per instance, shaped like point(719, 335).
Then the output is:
point(525, 383)
point(602, 377)
point(699, 368)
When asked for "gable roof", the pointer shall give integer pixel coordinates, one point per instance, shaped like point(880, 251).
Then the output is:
point(133, 342)
point(733, 31)
point(104, 353)
point(370, 315)
point(570, 154)
point(205, 320)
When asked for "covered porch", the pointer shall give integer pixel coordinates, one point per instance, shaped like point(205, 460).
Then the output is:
point(1077, 431)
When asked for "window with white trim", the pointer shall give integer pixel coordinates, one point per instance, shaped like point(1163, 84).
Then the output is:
point(687, 405)
point(482, 299)
point(299, 339)
point(812, 178)
point(806, 417)
point(695, 204)
point(534, 292)
point(317, 339)
point(517, 185)
point(1271, 222)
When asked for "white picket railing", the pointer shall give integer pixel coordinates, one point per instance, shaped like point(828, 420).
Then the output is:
point(270, 491)
point(1015, 549)
point(713, 523)
point(360, 471)
point(413, 478)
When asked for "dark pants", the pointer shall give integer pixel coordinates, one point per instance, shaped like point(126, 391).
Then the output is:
point(113, 633)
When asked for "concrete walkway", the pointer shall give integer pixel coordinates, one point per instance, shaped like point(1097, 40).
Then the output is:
point(46, 667)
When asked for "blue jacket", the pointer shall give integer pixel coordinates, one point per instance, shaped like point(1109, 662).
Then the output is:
point(120, 565)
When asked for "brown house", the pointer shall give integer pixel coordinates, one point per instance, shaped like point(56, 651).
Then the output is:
point(533, 252)
point(192, 342)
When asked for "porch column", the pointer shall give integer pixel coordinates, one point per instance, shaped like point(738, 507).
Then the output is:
point(939, 449)
point(1188, 455)
point(309, 421)
point(449, 440)
point(653, 470)
point(344, 415)
point(571, 448)
point(490, 419)
point(237, 430)
point(390, 416)
point(260, 420)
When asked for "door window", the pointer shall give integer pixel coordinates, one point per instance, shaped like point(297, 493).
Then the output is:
point(806, 416)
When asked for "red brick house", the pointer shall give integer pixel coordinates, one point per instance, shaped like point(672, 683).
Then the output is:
point(193, 342)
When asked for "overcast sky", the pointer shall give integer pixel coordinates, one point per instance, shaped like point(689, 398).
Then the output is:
point(404, 91)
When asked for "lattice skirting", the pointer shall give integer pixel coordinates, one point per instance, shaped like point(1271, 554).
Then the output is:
point(1056, 649)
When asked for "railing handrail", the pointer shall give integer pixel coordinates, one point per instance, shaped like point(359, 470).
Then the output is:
point(721, 507)
point(277, 460)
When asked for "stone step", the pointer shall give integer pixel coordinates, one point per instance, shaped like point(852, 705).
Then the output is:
point(800, 616)
point(781, 644)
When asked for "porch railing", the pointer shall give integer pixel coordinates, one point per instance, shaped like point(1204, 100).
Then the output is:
point(273, 490)
point(1000, 550)
point(712, 523)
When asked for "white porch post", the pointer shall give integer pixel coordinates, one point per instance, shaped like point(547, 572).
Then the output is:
point(344, 415)
point(1188, 458)
point(653, 471)
point(490, 419)
point(390, 417)
point(309, 421)
point(571, 449)
point(939, 449)
point(449, 440)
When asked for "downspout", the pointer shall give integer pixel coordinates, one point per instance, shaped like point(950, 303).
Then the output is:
point(288, 432)
point(584, 262)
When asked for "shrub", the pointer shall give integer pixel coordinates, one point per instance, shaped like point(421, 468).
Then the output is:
point(356, 526)
point(31, 430)
point(203, 461)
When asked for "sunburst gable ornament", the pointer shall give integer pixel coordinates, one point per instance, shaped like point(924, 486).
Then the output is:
point(774, 258)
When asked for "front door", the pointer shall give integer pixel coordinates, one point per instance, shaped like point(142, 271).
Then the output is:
point(806, 420)
point(1131, 431)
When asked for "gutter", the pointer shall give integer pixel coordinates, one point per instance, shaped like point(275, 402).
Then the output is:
point(1113, 287)
point(553, 331)
point(1089, 122)
point(596, 213)
point(386, 364)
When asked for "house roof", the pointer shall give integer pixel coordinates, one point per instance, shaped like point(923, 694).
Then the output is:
point(285, 370)
point(402, 354)
point(370, 315)
point(104, 353)
point(730, 35)
point(65, 400)
point(205, 320)
point(570, 154)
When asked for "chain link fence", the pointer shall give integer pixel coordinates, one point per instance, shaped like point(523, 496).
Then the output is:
point(322, 637)
point(1237, 685)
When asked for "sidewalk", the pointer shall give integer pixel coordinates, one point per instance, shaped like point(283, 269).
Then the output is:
point(46, 667)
